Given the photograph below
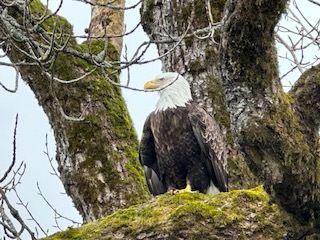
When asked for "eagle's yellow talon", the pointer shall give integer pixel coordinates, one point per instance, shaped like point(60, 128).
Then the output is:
point(187, 189)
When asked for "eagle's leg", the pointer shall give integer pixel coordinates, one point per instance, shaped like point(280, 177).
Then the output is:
point(186, 189)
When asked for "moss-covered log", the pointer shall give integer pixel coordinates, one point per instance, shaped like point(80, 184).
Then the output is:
point(239, 214)
point(97, 155)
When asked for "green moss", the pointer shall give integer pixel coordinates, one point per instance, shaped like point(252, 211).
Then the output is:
point(278, 151)
point(86, 137)
point(282, 124)
point(247, 214)
point(96, 144)
point(146, 12)
point(62, 26)
point(96, 46)
point(96, 148)
point(184, 11)
point(251, 60)
point(306, 95)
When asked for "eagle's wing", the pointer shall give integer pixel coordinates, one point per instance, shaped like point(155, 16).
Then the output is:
point(148, 159)
point(211, 142)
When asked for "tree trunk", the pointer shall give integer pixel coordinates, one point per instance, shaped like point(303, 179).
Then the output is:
point(236, 74)
point(274, 140)
point(97, 155)
point(107, 21)
point(272, 136)
point(184, 36)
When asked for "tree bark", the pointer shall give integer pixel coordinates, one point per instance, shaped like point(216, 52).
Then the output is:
point(263, 119)
point(306, 101)
point(273, 136)
point(275, 132)
point(97, 156)
point(107, 21)
point(181, 31)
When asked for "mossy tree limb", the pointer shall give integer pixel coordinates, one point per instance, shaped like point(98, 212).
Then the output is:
point(306, 95)
point(239, 214)
point(264, 122)
point(97, 155)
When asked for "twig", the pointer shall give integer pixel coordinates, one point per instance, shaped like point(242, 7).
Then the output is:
point(14, 151)
point(54, 209)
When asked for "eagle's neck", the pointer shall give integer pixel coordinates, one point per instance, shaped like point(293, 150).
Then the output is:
point(173, 97)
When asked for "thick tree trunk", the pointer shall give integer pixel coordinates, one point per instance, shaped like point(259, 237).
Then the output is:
point(97, 156)
point(263, 118)
point(184, 36)
point(277, 133)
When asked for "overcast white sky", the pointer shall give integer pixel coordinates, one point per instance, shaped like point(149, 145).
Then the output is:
point(33, 123)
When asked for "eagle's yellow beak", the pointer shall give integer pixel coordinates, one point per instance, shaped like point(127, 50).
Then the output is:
point(153, 84)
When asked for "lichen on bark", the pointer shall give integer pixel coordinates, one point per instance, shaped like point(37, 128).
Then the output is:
point(264, 119)
point(306, 96)
point(97, 156)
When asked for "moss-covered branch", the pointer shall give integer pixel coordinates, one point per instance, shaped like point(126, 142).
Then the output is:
point(239, 214)
point(264, 121)
point(306, 95)
point(97, 156)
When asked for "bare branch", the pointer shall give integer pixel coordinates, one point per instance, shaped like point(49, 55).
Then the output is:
point(110, 5)
point(57, 214)
point(293, 54)
point(300, 39)
point(314, 2)
point(15, 214)
point(14, 152)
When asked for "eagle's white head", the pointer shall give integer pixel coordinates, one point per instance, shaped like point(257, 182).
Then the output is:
point(174, 90)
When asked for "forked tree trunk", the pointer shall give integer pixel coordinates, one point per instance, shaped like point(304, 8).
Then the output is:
point(277, 133)
point(233, 74)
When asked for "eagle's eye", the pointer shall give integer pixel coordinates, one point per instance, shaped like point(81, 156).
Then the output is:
point(161, 79)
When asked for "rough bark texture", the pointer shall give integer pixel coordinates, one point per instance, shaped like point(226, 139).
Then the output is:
point(277, 133)
point(240, 214)
point(306, 101)
point(97, 156)
point(263, 119)
point(197, 59)
point(107, 21)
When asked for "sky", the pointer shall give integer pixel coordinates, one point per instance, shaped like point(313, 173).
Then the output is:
point(33, 124)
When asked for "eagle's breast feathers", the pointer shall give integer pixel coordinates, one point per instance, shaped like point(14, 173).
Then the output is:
point(181, 143)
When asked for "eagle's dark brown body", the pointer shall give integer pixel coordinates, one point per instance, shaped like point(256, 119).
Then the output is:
point(175, 148)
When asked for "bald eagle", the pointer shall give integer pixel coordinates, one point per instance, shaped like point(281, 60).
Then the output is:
point(181, 145)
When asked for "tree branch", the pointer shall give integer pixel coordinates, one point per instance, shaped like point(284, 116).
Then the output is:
point(265, 125)
point(306, 95)
point(96, 152)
